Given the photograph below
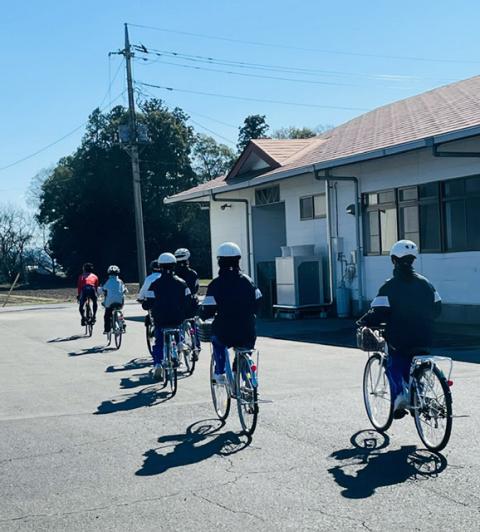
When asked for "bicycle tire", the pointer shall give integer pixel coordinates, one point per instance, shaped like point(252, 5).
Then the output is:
point(247, 395)
point(384, 424)
point(150, 335)
point(188, 353)
point(220, 395)
point(170, 374)
point(89, 318)
point(117, 329)
point(418, 411)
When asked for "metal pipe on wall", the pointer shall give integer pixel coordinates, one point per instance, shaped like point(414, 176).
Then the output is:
point(325, 175)
point(247, 216)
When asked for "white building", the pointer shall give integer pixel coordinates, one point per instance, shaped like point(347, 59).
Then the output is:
point(410, 169)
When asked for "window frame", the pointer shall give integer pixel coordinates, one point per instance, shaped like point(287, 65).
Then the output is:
point(312, 197)
point(378, 207)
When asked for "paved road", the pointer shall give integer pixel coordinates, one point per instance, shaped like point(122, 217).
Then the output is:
point(87, 442)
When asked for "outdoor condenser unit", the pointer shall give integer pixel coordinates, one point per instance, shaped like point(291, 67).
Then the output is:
point(299, 278)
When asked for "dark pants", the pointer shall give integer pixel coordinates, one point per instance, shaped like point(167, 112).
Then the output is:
point(107, 318)
point(159, 348)
point(88, 292)
point(220, 353)
point(399, 363)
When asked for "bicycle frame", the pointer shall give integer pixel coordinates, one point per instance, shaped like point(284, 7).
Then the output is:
point(229, 371)
point(169, 338)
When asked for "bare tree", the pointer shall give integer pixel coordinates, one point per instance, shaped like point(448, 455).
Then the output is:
point(16, 231)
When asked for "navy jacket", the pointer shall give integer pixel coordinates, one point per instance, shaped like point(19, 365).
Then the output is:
point(408, 304)
point(172, 299)
point(233, 299)
point(191, 278)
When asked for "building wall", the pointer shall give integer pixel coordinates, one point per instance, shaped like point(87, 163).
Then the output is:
point(455, 275)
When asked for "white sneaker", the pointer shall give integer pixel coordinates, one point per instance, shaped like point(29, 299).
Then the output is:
point(220, 379)
point(157, 372)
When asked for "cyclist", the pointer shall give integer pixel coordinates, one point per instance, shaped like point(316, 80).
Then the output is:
point(145, 296)
point(408, 304)
point(114, 291)
point(144, 292)
point(170, 306)
point(87, 287)
point(233, 299)
point(190, 276)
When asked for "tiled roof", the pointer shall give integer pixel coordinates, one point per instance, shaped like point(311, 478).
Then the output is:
point(203, 187)
point(443, 110)
point(282, 149)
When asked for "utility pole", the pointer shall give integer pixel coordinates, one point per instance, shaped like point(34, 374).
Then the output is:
point(133, 152)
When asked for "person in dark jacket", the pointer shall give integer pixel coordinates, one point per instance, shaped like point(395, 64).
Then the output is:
point(170, 306)
point(407, 304)
point(233, 299)
point(190, 276)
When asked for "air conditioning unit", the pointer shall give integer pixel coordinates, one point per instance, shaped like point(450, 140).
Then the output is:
point(299, 278)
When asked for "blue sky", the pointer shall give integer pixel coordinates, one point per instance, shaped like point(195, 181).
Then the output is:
point(55, 66)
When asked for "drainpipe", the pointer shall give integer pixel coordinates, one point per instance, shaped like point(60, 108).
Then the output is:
point(321, 175)
point(213, 196)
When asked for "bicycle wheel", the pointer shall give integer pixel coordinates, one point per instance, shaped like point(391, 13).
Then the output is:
point(89, 319)
point(377, 393)
point(432, 403)
point(150, 336)
point(170, 371)
point(117, 329)
point(188, 351)
point(247, 394)
point(220, 395)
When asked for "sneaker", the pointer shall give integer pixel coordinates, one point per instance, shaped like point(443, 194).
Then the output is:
point(400, 405)
point(220, 379)
point(157, 372)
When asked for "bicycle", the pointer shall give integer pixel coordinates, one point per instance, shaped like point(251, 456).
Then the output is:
point(170, 358)
point(190, 351)
point(428, 391)
point(150, 331)
point(117, 326)
point(88, 313)
point(241, 383)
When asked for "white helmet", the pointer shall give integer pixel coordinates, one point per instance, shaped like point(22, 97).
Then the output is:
point(404, 248)
point(182, 254)
point(229, 249)
point(113, 270)
point(166, 258)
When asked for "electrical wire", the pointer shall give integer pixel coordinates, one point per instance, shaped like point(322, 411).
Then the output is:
point(278, 68)
point(44, 148)
point(245, 98)
point(304, 49)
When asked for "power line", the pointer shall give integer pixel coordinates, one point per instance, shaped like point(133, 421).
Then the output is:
point(230, 141)
point(243, 74)
point(245, 98)
point(278, 68)
point(44, 148)
point(304, 49)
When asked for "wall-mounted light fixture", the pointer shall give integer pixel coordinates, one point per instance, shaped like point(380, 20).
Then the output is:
point(226, 206)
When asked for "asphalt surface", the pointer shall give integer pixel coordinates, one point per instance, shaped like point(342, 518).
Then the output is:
point(88, 442)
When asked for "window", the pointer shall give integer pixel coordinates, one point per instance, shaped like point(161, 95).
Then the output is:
point(430, 222)
point(381, 222)
point(266, 196)
point(439, 216)
point(306, 208)
point(313, 207)
point(409, 226)
point(461, 198)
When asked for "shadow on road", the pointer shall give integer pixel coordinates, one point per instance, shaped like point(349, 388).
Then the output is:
point(150, 396)
point(364, 467)
point(200, 442)
point(91, 350)
point(67, 338)
point(140, 379)
point(135, 363)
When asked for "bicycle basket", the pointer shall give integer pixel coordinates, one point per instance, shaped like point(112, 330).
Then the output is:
point(205, 331)
point(368, 340)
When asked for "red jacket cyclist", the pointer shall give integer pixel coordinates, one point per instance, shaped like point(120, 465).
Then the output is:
point(87, 287)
